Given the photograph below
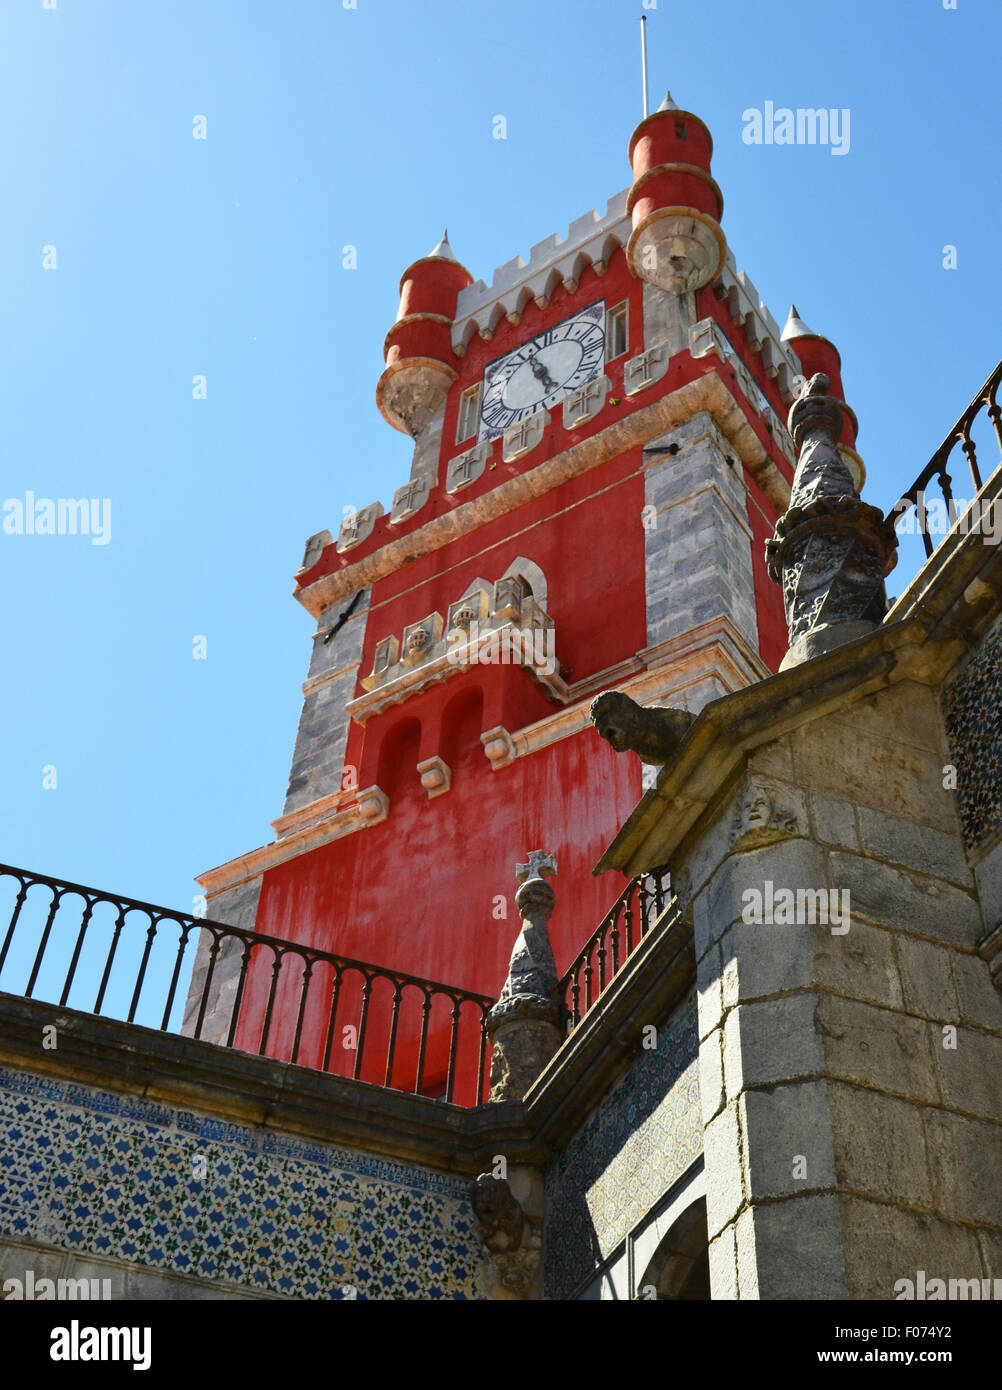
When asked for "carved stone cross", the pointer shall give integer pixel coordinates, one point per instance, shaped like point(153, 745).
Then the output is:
point(408, 495)
point(461, 469)
point(519, 437)
point(540, 865)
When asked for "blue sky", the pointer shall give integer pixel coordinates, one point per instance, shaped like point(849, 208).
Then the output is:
point(372, 127)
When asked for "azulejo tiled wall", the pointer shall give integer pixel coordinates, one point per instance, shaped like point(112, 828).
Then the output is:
point(972, 708)
point(638, 1141)
point(126, 1179)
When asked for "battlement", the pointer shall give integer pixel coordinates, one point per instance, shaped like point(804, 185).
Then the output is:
point(591, 241)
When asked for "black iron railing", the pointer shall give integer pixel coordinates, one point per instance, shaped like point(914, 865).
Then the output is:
point(937, 468)
point(120, 953)
point(643, 902)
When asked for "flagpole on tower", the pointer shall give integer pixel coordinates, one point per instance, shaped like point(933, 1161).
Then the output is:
point(643, 58)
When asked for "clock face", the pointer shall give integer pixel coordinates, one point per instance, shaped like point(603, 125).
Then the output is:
point(540, 372)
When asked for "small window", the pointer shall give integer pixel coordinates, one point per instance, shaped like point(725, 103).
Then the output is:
point(680, 130)
point(617, 331)
point(469, 413)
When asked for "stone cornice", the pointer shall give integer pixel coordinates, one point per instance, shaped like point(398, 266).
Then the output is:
point(953, 600)
point(707, 393)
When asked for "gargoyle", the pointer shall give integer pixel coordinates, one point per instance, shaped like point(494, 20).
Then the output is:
point(653, 733)
point(499, 1216)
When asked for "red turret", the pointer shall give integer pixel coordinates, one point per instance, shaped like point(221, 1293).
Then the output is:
point(818, 354)
point(418, 348)
point(675, 204)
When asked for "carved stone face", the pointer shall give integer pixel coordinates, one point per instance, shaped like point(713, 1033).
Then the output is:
point(613, 718)
point(756, 811)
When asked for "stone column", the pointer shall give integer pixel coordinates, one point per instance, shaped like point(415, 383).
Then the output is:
point(851, 1046)
point(525, 1025)
point(830, 551)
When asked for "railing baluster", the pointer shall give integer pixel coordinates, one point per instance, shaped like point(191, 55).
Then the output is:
point(450, 1077)
point(307, 973)
point(335, 990)
point(18, 904)
point(238, 998)
point(423, 1043)
point(362, 1021)
point(141, 977)
point(182, 946)
point(391, 1045)
point(266, 1026)
point(84, 920)
point(119, 924)
point(481, 1057)
point(53, 906)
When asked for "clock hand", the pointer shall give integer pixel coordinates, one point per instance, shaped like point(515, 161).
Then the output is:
point(541, 374)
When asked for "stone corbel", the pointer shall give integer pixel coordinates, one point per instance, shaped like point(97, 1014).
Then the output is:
point(436, 776)
point(373, 805)
point(499, 747)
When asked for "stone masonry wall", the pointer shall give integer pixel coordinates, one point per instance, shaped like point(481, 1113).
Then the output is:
point(322, 737)
point(851, 1082)
point(698, 556)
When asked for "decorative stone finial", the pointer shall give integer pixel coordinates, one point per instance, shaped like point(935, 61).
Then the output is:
point(443, 250)
point(524, 1026)
point(669, 103)
point(830, 551)
point(795, 327)
point(653, 734)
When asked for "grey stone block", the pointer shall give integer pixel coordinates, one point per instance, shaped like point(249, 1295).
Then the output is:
point(919, 847)
point(722, 1159)
point(787, 1128)
point(897, 898)
point(966, 1157)
point(879, 1145)
point(875, 1047)
point(884, 1244)
point(980, 1001)
point(772, 1041)
point(834, 821)
point(970, 1074)
point(796, 1245)
point(927, 979)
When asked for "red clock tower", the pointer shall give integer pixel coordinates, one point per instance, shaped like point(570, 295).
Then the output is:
point(599, 458)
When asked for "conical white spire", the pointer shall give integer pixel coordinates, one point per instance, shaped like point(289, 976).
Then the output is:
point(443, 250)
point(669, 104)
point(796, 327)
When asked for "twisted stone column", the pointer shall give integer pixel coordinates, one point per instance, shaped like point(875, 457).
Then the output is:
point(524, 1026)
point(830, 550)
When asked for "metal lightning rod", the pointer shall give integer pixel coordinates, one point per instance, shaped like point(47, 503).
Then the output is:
point(643, 57)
